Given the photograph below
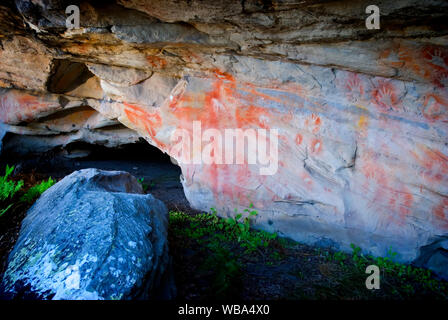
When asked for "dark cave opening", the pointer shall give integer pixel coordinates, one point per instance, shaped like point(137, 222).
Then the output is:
point(151, 166)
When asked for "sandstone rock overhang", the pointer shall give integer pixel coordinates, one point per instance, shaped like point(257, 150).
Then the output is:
point(361, 114)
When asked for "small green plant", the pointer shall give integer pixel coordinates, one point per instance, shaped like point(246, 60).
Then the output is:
point(276, 255)
point(3, 211)
point(145, 186)
point(8, 189)
point(227, 271)
point(358, 258)
point(34, 192)
point(238, 228)
point(339, 257)
point(225, 242)
point(403, 274)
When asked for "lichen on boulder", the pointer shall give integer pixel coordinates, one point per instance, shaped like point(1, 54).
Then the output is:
point(93, 235)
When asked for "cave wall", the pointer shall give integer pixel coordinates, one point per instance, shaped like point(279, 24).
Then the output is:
point(361, 114)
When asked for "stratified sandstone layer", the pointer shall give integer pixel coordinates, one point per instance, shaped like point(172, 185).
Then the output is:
point(361, 114)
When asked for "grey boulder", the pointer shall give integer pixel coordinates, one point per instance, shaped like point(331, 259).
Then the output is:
point(93, 235)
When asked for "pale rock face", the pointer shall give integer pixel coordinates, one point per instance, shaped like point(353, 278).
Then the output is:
point(24, 63)
point(119, 76)
point(361, 114)
point(18, 106)
point(151, 92)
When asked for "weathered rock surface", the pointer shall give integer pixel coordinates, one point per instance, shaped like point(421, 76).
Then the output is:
point(361, 114)
point(93, 235)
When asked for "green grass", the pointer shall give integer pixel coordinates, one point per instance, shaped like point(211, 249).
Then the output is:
point(223, 241)
point(210, 229)
point(13, 194)
point(406, 274)
point(401, 280)
point(34, 192)
point(229, 243)
point(8, 189)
